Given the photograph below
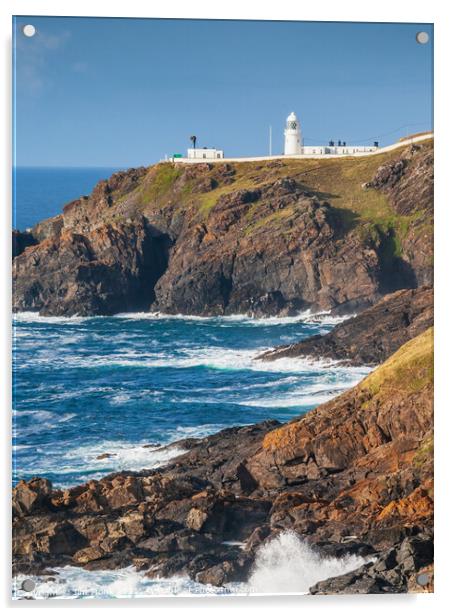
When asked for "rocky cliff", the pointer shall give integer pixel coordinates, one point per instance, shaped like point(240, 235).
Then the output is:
point(263, 238)
point(372, 336)
point(354, 475)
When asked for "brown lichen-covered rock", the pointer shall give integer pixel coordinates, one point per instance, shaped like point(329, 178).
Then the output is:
point(29, 497)
point(87, 555)
point(372, 449)
point(196, 518)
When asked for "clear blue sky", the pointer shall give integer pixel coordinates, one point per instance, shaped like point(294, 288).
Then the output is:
point(125, 92)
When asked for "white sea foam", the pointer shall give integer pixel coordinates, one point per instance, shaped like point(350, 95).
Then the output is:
point(308, 395)
point(307, 316)
point(290, 401)
point(284, 565)
point(199, 431)
point(76, 583)
point(219, 358)
point(21, 333)
point(125, 456)
point(83, 462)
point(121, 398)
point(38, 415)
point(287, 564)
point(34, 317)
point(326, 318)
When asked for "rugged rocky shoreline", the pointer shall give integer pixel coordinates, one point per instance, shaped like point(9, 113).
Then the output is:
point(352, 476)
point(373, 335)
point(258, 238)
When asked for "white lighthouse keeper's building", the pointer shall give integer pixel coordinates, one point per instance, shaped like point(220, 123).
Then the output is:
point(293, 143)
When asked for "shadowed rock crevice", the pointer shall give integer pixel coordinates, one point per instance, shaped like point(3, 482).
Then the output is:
point(395, 271)
point(22, 240)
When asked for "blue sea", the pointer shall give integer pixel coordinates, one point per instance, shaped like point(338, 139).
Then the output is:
point(125, 385)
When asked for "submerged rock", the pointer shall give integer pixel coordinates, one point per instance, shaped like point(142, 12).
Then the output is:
point(105, 456)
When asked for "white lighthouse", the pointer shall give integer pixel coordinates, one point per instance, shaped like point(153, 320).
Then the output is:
point(293, 143)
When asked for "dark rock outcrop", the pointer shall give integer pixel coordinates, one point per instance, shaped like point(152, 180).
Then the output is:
point(20, 241)
point(354, 475)
point(407, 567)
point(259, 238)
point(111, 269)
point(373, 335)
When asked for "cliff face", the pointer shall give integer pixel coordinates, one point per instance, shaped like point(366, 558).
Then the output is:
point(112, 268)
point(264, 238)
point(354, 475)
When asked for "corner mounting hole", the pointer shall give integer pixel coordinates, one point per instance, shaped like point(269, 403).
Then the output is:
point(28, 585)
point(29, 30)
point(422, 38)
point(423, 579)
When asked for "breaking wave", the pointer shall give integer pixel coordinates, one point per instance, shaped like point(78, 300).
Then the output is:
point(284, 565)
point(307, 316)
point(218, 358)
point(287, 564)
point(41, 421)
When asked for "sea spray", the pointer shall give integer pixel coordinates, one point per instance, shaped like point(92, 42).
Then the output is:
point(287, 564)
point(284, 565)
point(77, 583)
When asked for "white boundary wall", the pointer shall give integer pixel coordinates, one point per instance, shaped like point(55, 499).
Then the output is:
point(247, 159)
